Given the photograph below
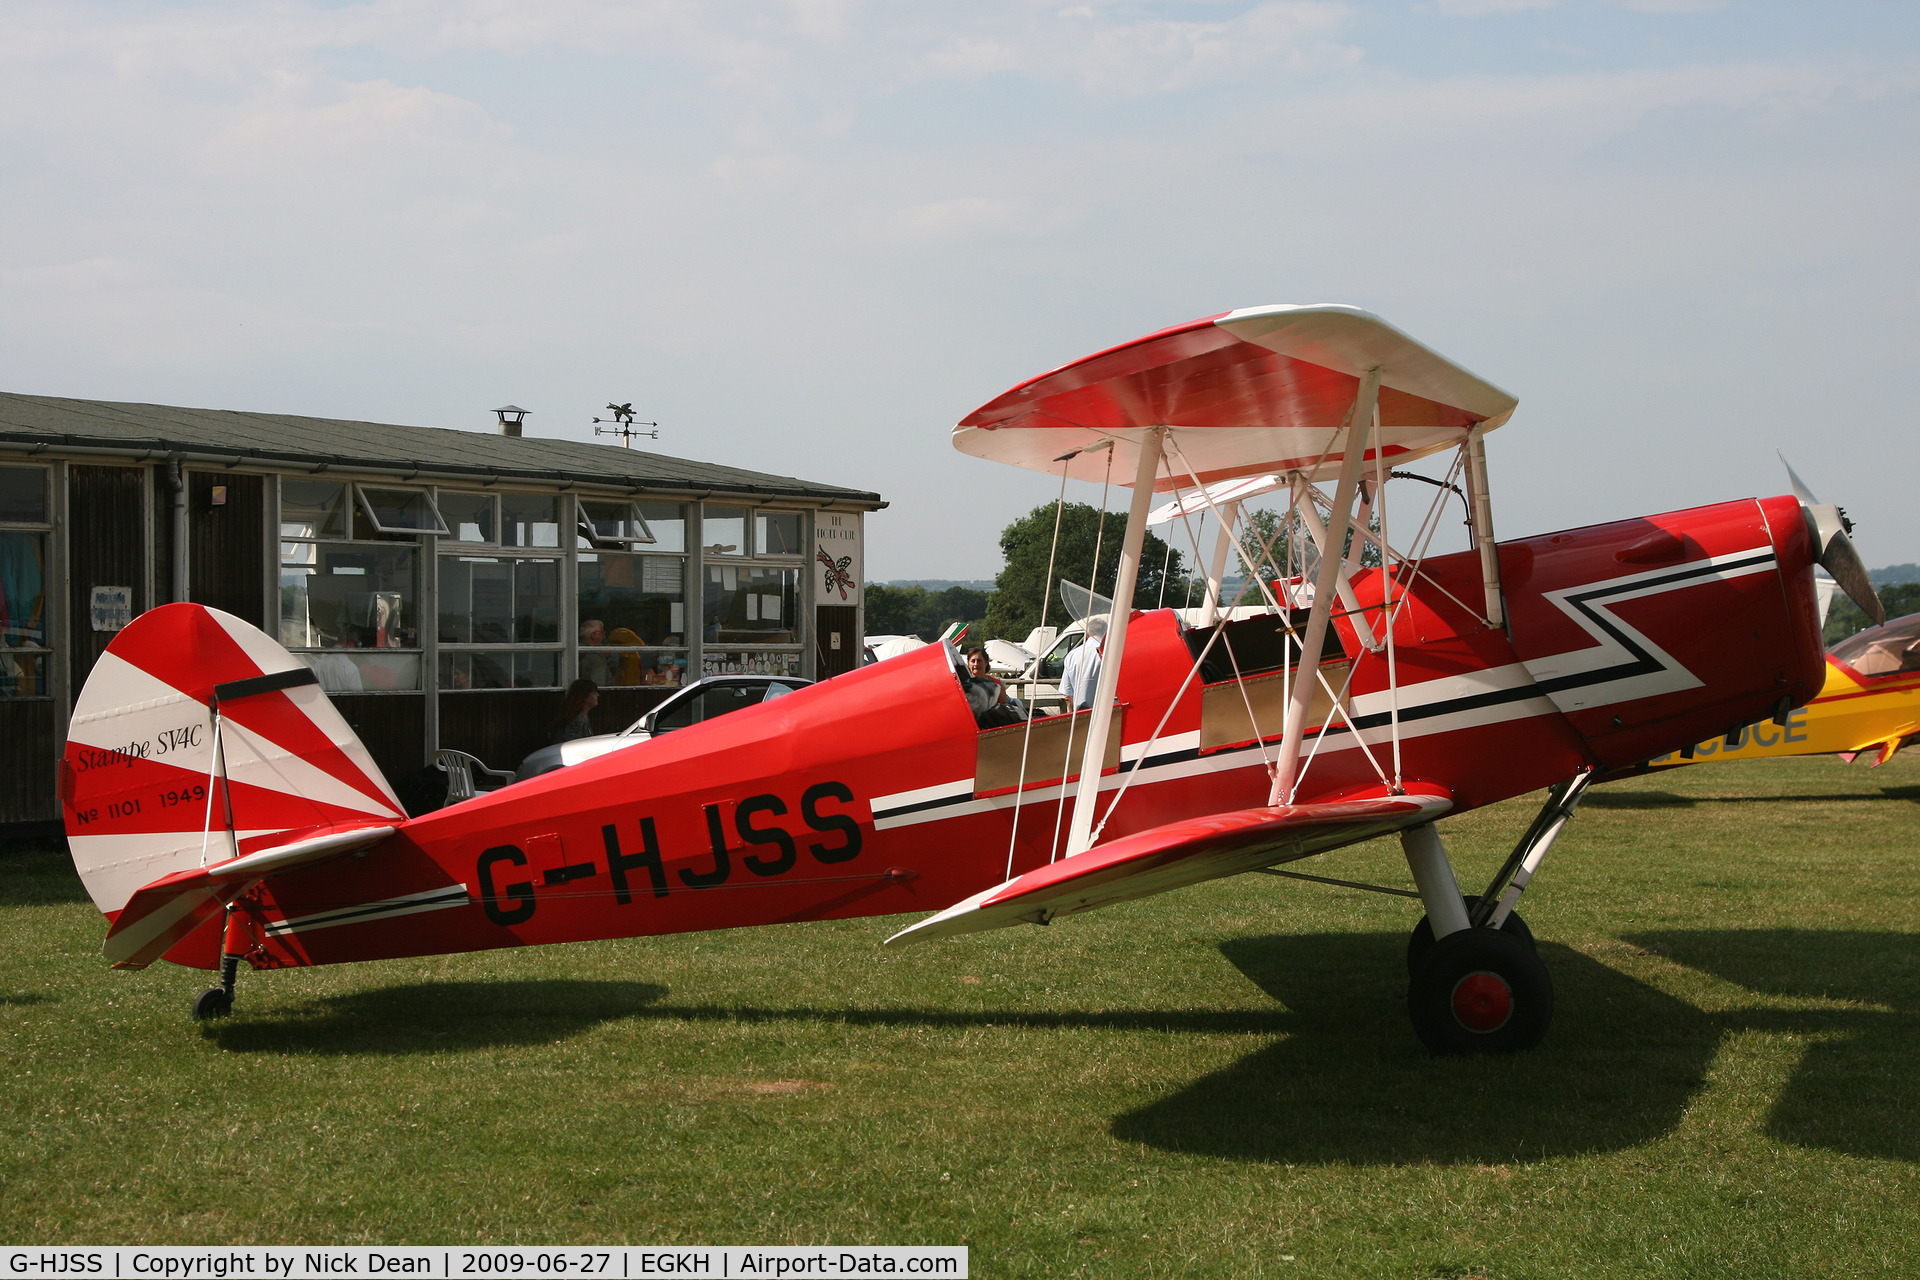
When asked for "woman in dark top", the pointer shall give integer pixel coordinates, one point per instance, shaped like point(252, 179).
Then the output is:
point(582, 697)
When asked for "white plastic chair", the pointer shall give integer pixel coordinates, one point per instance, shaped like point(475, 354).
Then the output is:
point(460, 769)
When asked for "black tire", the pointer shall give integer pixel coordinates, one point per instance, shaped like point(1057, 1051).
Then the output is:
point(1480, 991)
point(214, 1002)
point(1420, 941)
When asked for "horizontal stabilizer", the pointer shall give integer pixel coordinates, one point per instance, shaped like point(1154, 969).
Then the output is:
point(162, 913)
point(1178, 854)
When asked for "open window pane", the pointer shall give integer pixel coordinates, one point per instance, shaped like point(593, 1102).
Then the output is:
point(723, 531)
point(312, 509)
point(776, 533)
point(468, 515)
point(23, 495)
point(615, 522)
point(668, 520)
point(529, 520)
point(400, 510)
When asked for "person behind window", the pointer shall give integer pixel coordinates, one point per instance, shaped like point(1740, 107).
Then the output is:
point(583, 696)
point(1081, 675)
point(627, 665)
point(597, 667)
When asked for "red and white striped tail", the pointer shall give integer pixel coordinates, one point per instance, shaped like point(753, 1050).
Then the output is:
point(143, 794)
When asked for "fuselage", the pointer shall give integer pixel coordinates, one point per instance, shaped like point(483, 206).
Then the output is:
point(875, 793)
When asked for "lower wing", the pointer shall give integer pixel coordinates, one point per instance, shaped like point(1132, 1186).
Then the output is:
point(1180, 853)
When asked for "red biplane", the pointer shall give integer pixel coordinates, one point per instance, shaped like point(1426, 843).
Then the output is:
point(220, 811)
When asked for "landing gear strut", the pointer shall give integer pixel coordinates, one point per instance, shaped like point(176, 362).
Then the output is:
point(1475, 983)
point(217, 1002)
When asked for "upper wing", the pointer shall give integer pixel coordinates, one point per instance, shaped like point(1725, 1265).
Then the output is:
point(1180, 853)
point(173, 906)
point(1262, 390)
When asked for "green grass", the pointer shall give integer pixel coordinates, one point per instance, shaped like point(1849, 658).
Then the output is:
point(1209, 1083)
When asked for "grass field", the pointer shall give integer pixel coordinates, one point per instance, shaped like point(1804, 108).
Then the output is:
point(1219, 1082)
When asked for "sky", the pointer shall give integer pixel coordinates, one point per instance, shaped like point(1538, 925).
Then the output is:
point(809, 236)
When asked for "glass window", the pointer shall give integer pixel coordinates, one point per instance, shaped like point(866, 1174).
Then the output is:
point(668, 520)
point(359, 672)
point(23, 610)
point(348, 597)
point(642, 595)
point(752, 603)
point(605, 665)
point(469, 516)
point(723, 531)
point(764, 662)
point(529, 520)
point(602, 522)
point(312, 509)
point(499, 600)
point(776, 533)
point(23, 495)
point(484, 670)
point(23, 588)
point(400, 510)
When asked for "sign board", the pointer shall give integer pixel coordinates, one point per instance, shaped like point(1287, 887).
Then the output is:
point(836, 557)
point(112, 608)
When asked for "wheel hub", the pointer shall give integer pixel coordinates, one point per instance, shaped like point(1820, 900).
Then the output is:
point(1482, 1002)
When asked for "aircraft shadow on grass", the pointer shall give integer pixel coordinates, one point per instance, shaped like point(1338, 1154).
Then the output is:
point(1601, 799)
point(435, 1017)
point(1855, 1089)
point(1349, 1086)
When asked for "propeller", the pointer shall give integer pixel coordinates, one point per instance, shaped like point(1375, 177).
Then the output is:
point(1833, 549)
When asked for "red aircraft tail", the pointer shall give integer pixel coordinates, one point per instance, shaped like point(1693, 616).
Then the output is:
point(198, 740)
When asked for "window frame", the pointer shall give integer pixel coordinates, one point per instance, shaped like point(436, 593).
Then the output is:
point(43, 651)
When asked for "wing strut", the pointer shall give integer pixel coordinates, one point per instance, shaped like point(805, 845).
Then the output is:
point(1359, 427)
point(1080, 833)
point(1482, 506)
point(1217, 569)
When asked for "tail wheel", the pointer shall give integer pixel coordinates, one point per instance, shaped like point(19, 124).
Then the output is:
point(1421, 940)
point(214, 1002)
point(1480, 991)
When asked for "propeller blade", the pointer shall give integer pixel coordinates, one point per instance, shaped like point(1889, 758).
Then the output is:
point(1800, 489)
point(1843, 562)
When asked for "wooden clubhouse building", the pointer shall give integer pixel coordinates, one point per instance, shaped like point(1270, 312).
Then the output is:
point(446, 585)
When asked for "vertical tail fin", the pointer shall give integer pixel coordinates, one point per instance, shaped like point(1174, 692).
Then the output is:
point(198, 739)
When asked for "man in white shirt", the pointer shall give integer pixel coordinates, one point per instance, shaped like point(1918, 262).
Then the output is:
point(1081, 674)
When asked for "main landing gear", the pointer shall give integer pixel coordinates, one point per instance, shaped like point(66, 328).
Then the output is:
point(1475, 983)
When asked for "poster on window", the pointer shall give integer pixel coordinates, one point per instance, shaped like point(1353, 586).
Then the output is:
point(836, 560)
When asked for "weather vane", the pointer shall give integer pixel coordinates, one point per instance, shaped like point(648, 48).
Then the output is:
point(624, 426)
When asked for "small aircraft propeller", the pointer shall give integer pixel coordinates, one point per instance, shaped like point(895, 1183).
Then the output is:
point(1833, 549)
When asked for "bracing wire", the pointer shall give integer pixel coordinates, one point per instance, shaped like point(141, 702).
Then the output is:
point(1046, 598)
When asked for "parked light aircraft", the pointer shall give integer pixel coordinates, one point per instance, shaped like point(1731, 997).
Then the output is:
point(1869, 705)
point(220, 811)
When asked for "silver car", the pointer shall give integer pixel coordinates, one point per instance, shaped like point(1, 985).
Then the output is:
point(702, 700)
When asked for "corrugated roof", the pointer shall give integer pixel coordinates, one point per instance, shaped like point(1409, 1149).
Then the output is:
point(286, 440)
